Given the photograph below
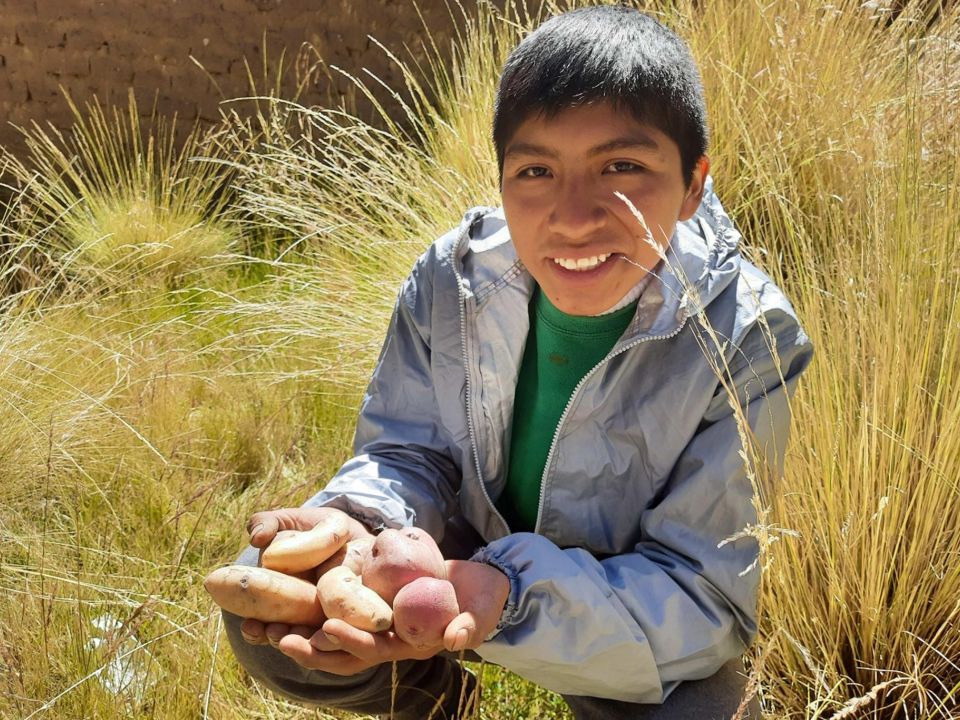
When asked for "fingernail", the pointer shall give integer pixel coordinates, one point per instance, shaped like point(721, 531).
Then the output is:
point(461, 640)
point(248, 638)
point(333, 639)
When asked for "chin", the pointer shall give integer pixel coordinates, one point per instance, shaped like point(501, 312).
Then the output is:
point(580, 309)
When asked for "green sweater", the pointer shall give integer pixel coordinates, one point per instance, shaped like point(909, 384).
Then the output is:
point(560, 350)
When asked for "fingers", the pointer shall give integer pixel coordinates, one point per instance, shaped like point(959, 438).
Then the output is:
point(357, 642)
point(300, 650)
point(461, 633)
point(374, 648)
point(340, 648)
point(305, 645)
point(262, 526)
point(253, 632)
point(275, 632)
point(304, 631)
point(323, 642)
point(256, 632)
point(482, 592)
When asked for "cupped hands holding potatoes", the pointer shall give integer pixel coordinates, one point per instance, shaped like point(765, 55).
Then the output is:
point(377, 598)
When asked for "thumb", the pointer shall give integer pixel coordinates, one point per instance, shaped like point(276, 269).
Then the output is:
point(262, 527)
point(460, 633)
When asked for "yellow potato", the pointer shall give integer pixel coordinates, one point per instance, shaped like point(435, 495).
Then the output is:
point(265, 595)
point(294, 552)
point(344, 597)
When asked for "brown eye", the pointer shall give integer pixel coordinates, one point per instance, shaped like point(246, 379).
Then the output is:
point(622, 166)
point(536, 171)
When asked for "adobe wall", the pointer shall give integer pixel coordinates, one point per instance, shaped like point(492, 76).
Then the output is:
point(93, 47)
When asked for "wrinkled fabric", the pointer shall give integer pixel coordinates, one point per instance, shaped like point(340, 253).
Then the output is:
point(623, 590)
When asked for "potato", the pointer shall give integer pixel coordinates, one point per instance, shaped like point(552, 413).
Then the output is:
point(422, 610)
point(293, 552)
point(344, 597)
point(308, 575)
point(280, 536)
point(350, 555)
point(265, 595)
point(398, 557)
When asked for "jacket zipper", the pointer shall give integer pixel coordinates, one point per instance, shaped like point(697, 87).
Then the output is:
point(466, 374)
point(573, 395)
point(471, 431)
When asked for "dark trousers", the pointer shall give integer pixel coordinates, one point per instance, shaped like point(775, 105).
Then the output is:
point(442, 688)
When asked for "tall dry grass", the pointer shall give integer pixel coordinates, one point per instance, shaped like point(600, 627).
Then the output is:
point(149, 403)
point(148, 407)
point(352, 204)
point(837, 145)
point(112, 204)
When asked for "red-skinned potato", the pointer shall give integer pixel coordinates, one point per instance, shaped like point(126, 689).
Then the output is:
point(265, 595)
point(422, 610)
point(292, 551)
point(398, 557)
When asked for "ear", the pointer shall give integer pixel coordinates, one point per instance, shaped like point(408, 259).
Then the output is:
point(694, 196)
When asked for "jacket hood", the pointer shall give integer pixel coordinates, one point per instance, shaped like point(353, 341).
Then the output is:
point(703, 258)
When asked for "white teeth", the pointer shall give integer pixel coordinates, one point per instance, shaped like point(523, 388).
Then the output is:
point(588, 263)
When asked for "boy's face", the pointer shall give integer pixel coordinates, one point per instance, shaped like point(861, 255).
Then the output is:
point(569, 229)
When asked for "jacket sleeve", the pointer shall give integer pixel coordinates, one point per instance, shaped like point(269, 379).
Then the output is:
point(632, 626)
point(402, 472)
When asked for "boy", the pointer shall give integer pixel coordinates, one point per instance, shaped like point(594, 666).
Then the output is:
point(544, 408)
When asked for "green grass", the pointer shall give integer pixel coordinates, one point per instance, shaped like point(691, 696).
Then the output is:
point(186, 329)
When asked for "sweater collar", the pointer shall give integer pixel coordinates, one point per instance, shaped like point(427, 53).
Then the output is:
point(613, 320)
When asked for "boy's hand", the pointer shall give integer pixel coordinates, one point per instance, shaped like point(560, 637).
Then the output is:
point(482, 592)
point(263, 527)
point(342, 649)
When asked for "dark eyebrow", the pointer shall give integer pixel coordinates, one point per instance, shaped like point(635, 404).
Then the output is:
point(638, 140)
point(523, 148)
point(628, 142)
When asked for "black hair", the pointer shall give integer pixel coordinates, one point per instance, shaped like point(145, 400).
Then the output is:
point(606, 53)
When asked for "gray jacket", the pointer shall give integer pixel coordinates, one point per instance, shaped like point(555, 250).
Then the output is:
point(624, 589)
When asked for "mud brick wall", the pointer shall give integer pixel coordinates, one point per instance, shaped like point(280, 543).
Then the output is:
point(94, 47)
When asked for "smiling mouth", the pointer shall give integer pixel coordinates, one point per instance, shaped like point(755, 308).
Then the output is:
point(582, 264)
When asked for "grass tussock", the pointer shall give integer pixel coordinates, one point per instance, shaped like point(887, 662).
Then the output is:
point(186, 330)
point(351, 204)
point(112, 204)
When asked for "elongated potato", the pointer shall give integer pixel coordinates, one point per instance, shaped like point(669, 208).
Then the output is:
point(308, 575)
point(344, 597)
point(265, 595)
point(295, 552)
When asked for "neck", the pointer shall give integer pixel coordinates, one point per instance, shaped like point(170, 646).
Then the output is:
point(631, 295)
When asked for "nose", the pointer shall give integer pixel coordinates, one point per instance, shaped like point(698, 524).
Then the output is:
point(576, 211)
